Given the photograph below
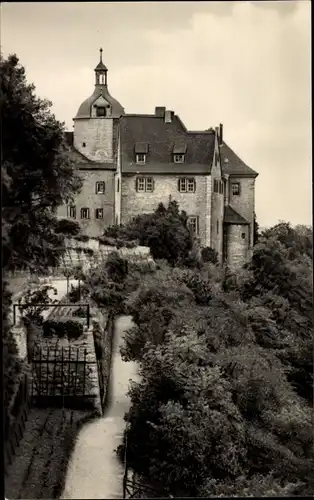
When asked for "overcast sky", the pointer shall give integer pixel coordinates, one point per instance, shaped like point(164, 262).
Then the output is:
point(244, 64)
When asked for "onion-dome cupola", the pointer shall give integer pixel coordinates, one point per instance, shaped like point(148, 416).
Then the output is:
point(100, 104)
point(101, 72)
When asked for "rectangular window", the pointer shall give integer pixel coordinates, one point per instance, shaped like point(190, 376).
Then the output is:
point(235, 188)
point(145, 184)
point(178, 158)
point(84, 213)
point(72, 211)
point(149, 184)
point(193, 224)
point(141, 158)
point(217, 226)
point(216, 159)
point(99, 213)
point(100, 111)
point(118, 185)
point(100, 188)
point(186, 185)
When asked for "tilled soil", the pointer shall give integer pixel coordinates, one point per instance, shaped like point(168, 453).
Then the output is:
point(41, 460)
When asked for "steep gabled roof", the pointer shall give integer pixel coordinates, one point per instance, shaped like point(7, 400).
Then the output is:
point(162, 138)
point(232, 164)
point(232, 217)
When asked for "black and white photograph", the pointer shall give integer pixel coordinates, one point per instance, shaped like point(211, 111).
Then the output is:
point(157, 249)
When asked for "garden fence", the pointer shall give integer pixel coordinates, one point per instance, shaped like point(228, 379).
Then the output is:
point(61, 376)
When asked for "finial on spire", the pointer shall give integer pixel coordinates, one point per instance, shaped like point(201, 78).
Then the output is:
point(100, 50)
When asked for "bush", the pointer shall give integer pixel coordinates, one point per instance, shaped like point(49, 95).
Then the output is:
point(74, 294)
point(165, 232)
point(71, 329)
point(116, 267)
point(67, 227)
point(209, 255)
point(88, 251)
point(82, 237)
point(81, 312)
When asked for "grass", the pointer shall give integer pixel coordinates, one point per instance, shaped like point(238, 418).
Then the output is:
point(41, 461)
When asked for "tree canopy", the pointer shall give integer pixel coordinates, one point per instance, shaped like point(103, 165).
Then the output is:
point(165, 231)
point(223, 406)
point(37, 173)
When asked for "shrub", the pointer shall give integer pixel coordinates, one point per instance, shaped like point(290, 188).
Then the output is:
point(71, 329)
point(107, 240)
point(209, 255)
point(80, 312)
point(116, 267)
point(88, 251)
point(68, 227)
point(74, 294)
point(82, 237)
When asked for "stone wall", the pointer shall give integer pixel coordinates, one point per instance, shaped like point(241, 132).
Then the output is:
point(217, 210)
point(97, 135)
point(237, 253)
point(165, 186)
point(88, 198)
point(244, 203)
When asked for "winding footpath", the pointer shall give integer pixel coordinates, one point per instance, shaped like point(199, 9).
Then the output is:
point(94, 470)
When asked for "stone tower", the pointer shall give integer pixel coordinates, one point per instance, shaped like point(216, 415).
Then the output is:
point(93, 124)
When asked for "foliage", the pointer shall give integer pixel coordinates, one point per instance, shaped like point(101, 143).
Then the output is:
point(80, 312)
point(105, 284)
point(209, 255)
point(74, 294)
point(37, 174)
point(116, 242)
point(116, 267)
point(67, 227)
point(81, 237)
point(256, 232)
point(35, 302)
point(165, 231)
point(226, 367)
point(61, 329)
point(12, 365)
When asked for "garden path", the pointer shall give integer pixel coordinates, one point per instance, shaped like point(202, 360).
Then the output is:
point(94, 470)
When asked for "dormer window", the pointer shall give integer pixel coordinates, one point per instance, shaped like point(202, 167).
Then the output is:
point(178, 158)
point(101, 111)
point(179, 150)
point(141, 158)
point(141, 150)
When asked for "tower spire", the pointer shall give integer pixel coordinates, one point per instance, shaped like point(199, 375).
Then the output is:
point(101, 71)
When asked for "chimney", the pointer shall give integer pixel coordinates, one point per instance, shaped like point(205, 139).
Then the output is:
point(160, 111)
point(220, 134)
point(168, 116)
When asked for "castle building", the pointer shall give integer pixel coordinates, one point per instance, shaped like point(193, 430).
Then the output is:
point(131, 162)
